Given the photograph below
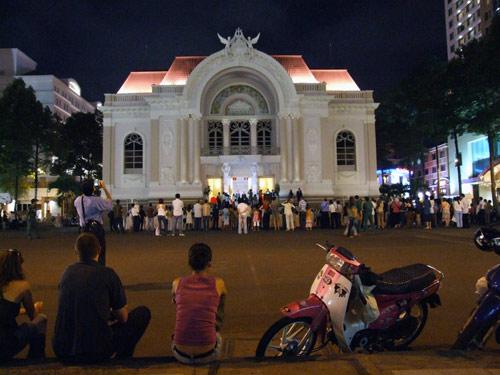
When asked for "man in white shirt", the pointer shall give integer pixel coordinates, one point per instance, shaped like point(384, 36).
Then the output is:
point(457, 212)
point(177, 207)
point(465, 203)
point(243, 211)
point(332, 208)
point(197, 211)
point(302, 211)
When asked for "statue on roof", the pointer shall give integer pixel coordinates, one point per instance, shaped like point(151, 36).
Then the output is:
point(238, 44)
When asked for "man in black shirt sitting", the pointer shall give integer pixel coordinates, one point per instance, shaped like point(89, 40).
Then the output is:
point(93, 322)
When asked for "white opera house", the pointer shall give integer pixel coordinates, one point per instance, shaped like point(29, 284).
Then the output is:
point(239, 119)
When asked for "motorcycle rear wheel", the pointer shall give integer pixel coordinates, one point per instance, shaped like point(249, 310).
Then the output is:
point(418, 313)
point(287, 338)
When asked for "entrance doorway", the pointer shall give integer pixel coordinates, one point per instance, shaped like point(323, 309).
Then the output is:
point(240, 185)
point(266, 183)
point(215, 186)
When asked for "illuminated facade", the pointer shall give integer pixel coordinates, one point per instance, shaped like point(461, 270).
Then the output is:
point(235, 120)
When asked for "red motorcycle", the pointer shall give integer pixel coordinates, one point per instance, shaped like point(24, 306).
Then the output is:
point(354, 308)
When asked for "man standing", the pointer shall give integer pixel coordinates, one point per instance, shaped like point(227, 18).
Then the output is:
point(206, 215)
point(465, 203)
point(332, 207)
point(90, 209)
point(289, 207)
point(118, 217)
point(324, 209)
point(243, 212)
point(177, 211)
point(302, 211)
point(31, 228)
point(197, 209)
point(93, 322)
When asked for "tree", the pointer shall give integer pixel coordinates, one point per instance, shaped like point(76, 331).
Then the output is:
point(22, 124)
point(78, 146)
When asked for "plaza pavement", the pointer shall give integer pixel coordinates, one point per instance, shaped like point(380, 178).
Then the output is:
point(264, 271)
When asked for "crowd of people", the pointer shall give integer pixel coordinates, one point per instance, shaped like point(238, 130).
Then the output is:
point(265, 211)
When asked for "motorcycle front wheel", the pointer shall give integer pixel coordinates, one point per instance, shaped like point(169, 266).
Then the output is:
point(412, 323)
point(473, 335)
point(287, 338)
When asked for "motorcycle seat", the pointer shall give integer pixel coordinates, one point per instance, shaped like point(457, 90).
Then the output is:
point(404, 280)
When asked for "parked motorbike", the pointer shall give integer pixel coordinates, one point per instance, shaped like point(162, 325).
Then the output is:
point(487, 239)
point(485, 317)
point(355, 308)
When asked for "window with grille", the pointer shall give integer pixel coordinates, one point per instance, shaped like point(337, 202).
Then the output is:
point(239, 134)
point(215, 137)
point(134, 149)
point(346, 151)
point(264, 136)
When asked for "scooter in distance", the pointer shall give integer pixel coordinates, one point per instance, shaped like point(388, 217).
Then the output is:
point(485, 317)
point(354, 308)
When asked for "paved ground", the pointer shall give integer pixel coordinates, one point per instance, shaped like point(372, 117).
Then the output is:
point(263, 271)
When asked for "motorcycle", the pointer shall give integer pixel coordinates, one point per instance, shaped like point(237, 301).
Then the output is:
point(354, 308)
point(485, 317)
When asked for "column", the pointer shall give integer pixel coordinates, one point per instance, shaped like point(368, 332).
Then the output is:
point(196, 149)
point(289, 142)
point(155, 139)
point(283, 150)
point(296, 127)
point(107, 155)
point(225, 136)
point(253, 136)
point(184, 150)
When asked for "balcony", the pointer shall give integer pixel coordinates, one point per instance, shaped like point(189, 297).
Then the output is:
point(240, 150)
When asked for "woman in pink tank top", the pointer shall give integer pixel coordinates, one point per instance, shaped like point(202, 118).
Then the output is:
point(199, 300)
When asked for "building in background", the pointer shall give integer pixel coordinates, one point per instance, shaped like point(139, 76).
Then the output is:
point(467, 20)
point(239, 119)
point(61, 96)
point(436, 169)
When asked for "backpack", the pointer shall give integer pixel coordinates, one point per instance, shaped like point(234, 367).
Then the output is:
point(92, 225)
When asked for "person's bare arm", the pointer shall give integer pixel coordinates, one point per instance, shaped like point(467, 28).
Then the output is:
point(28, 304)
point(102, 185)
point(121, 315)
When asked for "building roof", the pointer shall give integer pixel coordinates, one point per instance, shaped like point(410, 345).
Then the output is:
point(138, 82)
point(182, 66)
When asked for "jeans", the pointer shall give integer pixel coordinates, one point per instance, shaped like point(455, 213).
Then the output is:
point(199, 361)
point(197, 223)
point(118, 224)
point(206, 222)
point(458, 219)
point(177, 224)
point(162, 222)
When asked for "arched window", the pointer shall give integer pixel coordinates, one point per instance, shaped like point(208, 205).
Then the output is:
point(264, 136)
point(134, 150)
point(239, 135)
point(346, 151)
point(215, 137)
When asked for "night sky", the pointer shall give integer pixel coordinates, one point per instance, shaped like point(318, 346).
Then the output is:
point(98, 42)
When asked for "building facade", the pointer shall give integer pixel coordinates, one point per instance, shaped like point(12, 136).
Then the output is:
point(436, 169)
point(467, 20)
point(235, 120)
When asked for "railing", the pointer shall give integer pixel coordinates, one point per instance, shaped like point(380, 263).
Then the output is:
point(349, 95)
point(310, 87)
point(240, 150)
point(119, 99)
point(168, 89)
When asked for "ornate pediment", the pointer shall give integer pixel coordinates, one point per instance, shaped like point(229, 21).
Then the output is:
point(238, 45)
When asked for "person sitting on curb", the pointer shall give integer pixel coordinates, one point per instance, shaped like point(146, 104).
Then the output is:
point(93, 322)
point(14, 291)
point(199, 303)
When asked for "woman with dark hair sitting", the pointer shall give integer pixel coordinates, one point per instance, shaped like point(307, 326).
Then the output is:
point(14, 292)
point(199, 300)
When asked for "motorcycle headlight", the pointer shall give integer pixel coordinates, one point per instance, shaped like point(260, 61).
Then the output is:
point(339, 264)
